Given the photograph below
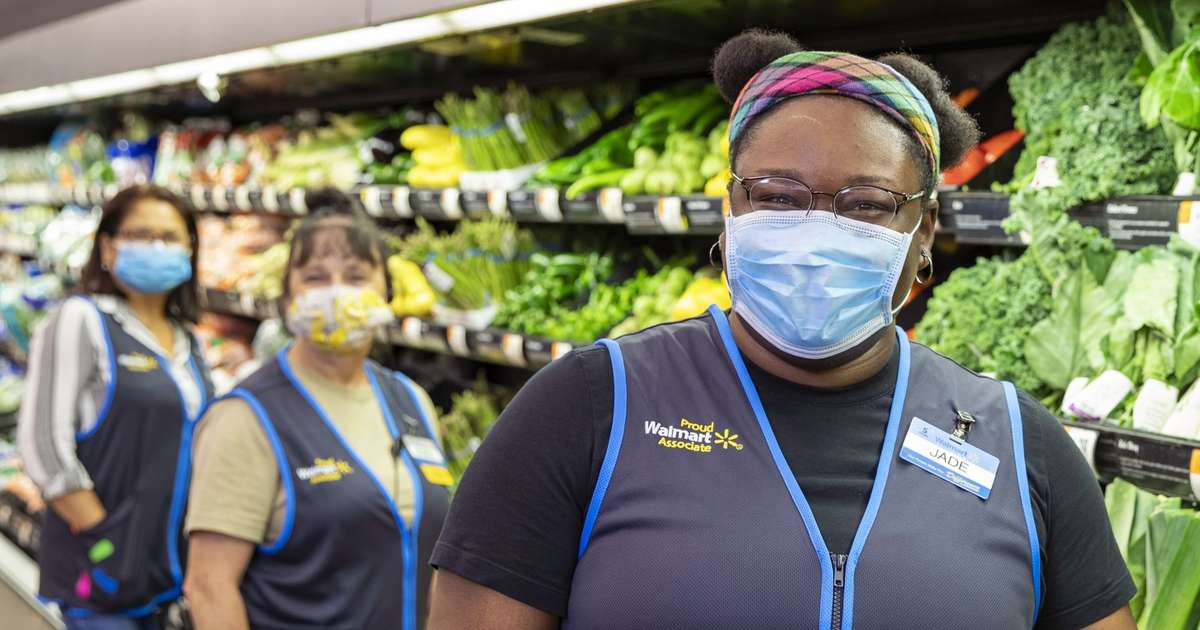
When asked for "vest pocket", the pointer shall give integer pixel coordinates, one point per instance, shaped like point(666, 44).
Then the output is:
point(112, 572)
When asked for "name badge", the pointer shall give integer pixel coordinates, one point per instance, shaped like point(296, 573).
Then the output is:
point(423, 448)
point(936, 452)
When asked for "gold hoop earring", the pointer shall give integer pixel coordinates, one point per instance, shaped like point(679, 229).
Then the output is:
point(929, 276)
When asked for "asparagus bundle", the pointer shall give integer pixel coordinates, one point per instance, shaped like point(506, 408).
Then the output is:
point(504, 130)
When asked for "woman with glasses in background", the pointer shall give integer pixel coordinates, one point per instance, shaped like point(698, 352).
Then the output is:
point(116, 382)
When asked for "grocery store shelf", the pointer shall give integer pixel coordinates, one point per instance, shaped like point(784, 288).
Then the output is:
point(1130, 222)
point(491, 346)
point(688, 214)
point(1159, 463)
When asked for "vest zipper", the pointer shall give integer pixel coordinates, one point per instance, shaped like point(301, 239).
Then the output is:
point(839, 585)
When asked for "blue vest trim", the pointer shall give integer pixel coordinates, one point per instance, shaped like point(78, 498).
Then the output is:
point(785, 472)
point(1014, 416)
point(133, 613)
point(887, 454)
point(406, 539)
point(285, 471)
point(614, 442)
point(409, 536)
point(183, 469)
point(111, 390)
point(422, 412)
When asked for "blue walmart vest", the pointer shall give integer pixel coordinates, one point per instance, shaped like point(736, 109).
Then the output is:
point(344, 558)
point(696, 520)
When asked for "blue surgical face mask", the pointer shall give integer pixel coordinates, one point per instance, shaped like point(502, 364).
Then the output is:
point(811, 284)
point(152, 267)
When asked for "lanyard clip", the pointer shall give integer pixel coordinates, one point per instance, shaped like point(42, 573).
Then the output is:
point(962, 425)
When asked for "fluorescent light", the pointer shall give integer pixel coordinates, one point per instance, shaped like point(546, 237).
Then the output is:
point(35, 98)
point(361, 39)
point(112, 84)
point(458, 21)
point(186, 71)
point(509, 12)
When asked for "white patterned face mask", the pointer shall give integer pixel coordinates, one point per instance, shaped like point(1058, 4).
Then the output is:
point(338, 317)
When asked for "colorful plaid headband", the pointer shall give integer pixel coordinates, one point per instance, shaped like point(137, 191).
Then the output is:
point(813, 72)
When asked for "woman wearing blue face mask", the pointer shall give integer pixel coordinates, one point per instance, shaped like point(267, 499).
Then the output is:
point(798, 462)
point(116, 383)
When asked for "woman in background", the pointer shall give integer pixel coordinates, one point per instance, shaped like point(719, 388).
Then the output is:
point(116, 383)
point(319, 488)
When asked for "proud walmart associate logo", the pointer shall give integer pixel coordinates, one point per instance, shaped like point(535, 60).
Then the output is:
point(324, 470)
point(693, 436)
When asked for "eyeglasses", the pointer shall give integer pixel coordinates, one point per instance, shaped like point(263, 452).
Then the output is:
point(149, 236)
point(869, 204)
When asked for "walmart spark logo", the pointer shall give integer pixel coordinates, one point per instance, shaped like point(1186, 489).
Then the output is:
point(727, 440)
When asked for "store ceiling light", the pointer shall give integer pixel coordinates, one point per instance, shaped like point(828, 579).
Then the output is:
point(456, 22)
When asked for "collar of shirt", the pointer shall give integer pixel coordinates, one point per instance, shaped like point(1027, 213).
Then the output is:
point(121, 311)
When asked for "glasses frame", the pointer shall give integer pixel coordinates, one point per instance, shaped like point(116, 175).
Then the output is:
point(900, 198)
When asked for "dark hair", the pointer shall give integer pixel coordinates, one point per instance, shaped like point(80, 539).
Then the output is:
point(183, 303)
point(741, 57)
point(365, 240)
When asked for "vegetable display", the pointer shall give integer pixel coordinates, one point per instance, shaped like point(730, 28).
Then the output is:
point(472, 413)
point(674, 146)
point(551, 287)
point(436, 159)
point(474, 266)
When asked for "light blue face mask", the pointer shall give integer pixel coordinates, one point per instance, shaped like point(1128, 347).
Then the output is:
point(811, 284)
point(152, 267)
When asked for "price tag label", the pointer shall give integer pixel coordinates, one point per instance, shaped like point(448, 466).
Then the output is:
point(1195, 473)
point(558, 349)
point(296, 198)
point(456, 338)
point(246, 305)
point(219, 202)
point(411, 329)
point(241, 198)
point(270, 199)
point(400, 202)
point(609, 203)
point(111, 191)
point(498, 203)
point(547, 204)
point(426, 202)
point(522, 204)
point(197, 197)
point(513, 346)
point(670, 215)
point(450, 206)
point(370, 200)
point(1085, 439)
point(474, 203)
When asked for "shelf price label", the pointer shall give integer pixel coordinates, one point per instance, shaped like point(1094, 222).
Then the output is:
point(522, 205)
point(246, 304)
point(450, 205)
point(704, 213)
point(1195, 473)
point(670, 215)
point(558, 349)
point(296, 198)
point(219, 201)
point(475, 204)
point(270, 199)
point(609, 203)
point(1085, 440)
point(370, 200)
point(546, 201)
point(197, 197)
point(456, 338)
point(641, 215)
point(411, 330)
point(513, 346)
point(241, 198)
point(426, 202)
point(400, 201)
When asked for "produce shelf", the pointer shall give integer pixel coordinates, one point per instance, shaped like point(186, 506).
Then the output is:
point(1130, 222)
point(688, 214)
point(1159, 463)
point(490, 345)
